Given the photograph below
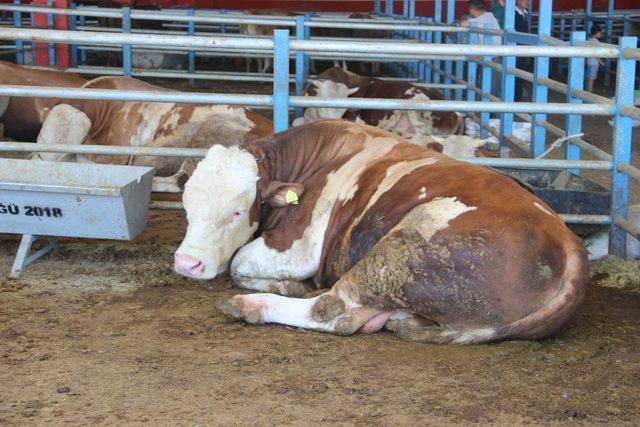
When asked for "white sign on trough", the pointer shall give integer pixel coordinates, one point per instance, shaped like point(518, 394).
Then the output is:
point(58, 199)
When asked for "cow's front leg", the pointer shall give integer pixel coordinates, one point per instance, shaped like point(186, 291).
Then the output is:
point(291, 288)
point(337, 311)
point(64, 125)
point(260, 268)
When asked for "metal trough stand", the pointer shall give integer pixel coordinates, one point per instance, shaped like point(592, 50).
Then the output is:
point(56, 199)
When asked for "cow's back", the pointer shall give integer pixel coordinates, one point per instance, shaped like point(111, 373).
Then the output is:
point(22, 120)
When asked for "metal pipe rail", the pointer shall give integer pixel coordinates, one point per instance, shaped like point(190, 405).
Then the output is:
point(283, 21)
point(568, 218)
point(631, 53)
point(584, 145)
point(28, 147)
point(554, 85)
point(512, 142)
point(306, 101)
point(586, 219)
point(628, 226)
point(308, 46)
point(633, 172)
point(630, 111)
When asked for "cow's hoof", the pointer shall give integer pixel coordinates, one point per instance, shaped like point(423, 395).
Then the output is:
point(234, 309)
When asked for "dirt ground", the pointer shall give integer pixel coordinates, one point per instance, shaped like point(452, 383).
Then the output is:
point(103, 332)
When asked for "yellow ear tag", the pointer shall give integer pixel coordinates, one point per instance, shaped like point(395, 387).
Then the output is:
point(291, 197)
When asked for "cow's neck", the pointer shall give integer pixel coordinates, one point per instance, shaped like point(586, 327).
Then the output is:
point(301, 155)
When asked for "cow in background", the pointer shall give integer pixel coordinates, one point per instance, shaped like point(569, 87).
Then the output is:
point(254, 30)
point(146, 124)
point(418, 126)
point(348, 33)
point(140, 59)
point(19, 115)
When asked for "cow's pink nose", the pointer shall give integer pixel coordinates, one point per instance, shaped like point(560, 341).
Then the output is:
point(188, 265)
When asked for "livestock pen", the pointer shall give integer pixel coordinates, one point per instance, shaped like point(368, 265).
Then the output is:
point(131, 353)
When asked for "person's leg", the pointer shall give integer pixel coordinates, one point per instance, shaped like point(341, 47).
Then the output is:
point(589, 85)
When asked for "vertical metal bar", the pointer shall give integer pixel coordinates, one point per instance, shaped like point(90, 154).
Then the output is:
point(388, 7)
point(437, 18)
point(486, 83)
point(51, 46)
point(540, 70)
point(574, 22)
point(412, 9)
point(609, 33)
point(472, 68)
point(508, 80)
point(191, 56)
point(72, 27)
point(376, 7)
point(281, 80)
point(405, 8)
point(422, 37)
point(126, 48)
point(428, 72)
point(562, 35)
point(302, 59)
point(587, 16)
point(448, 65)
point(622, 128)
point(223, 27)
point(17, 22)
point(83, 52)
point(625, 25)
point(460, 76)
point(575, 80)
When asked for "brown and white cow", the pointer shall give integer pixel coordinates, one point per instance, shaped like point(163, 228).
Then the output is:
point(262, 30)
point(19, 115)
point(404, 237)
point(146, 124)
point(418, 126)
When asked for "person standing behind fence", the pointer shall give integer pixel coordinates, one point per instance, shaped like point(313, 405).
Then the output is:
point(497, 8)
point(482, 18)
point(593, 64)
point(522, 24)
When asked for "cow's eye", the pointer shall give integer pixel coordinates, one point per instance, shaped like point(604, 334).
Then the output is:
point(237, 214)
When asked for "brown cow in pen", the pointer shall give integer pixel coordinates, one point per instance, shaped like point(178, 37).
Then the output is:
point(146, 124)
point(403, 238)
point(19, 115)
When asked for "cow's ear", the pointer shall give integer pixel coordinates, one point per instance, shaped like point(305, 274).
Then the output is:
point(280, 194)
point(352, 90)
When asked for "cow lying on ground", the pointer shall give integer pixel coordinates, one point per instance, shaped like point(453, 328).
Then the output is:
point(146, 124)
point(418, 126)
point(406, 238)
point(19, 115)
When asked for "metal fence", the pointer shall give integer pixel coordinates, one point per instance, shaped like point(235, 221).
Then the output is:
point(454, 61)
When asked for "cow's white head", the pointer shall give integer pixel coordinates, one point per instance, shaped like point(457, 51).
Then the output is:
point(326, 89)
point(218, 199)
point(460, 146)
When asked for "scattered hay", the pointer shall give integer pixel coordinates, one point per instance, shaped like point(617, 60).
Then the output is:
point(616, 273)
